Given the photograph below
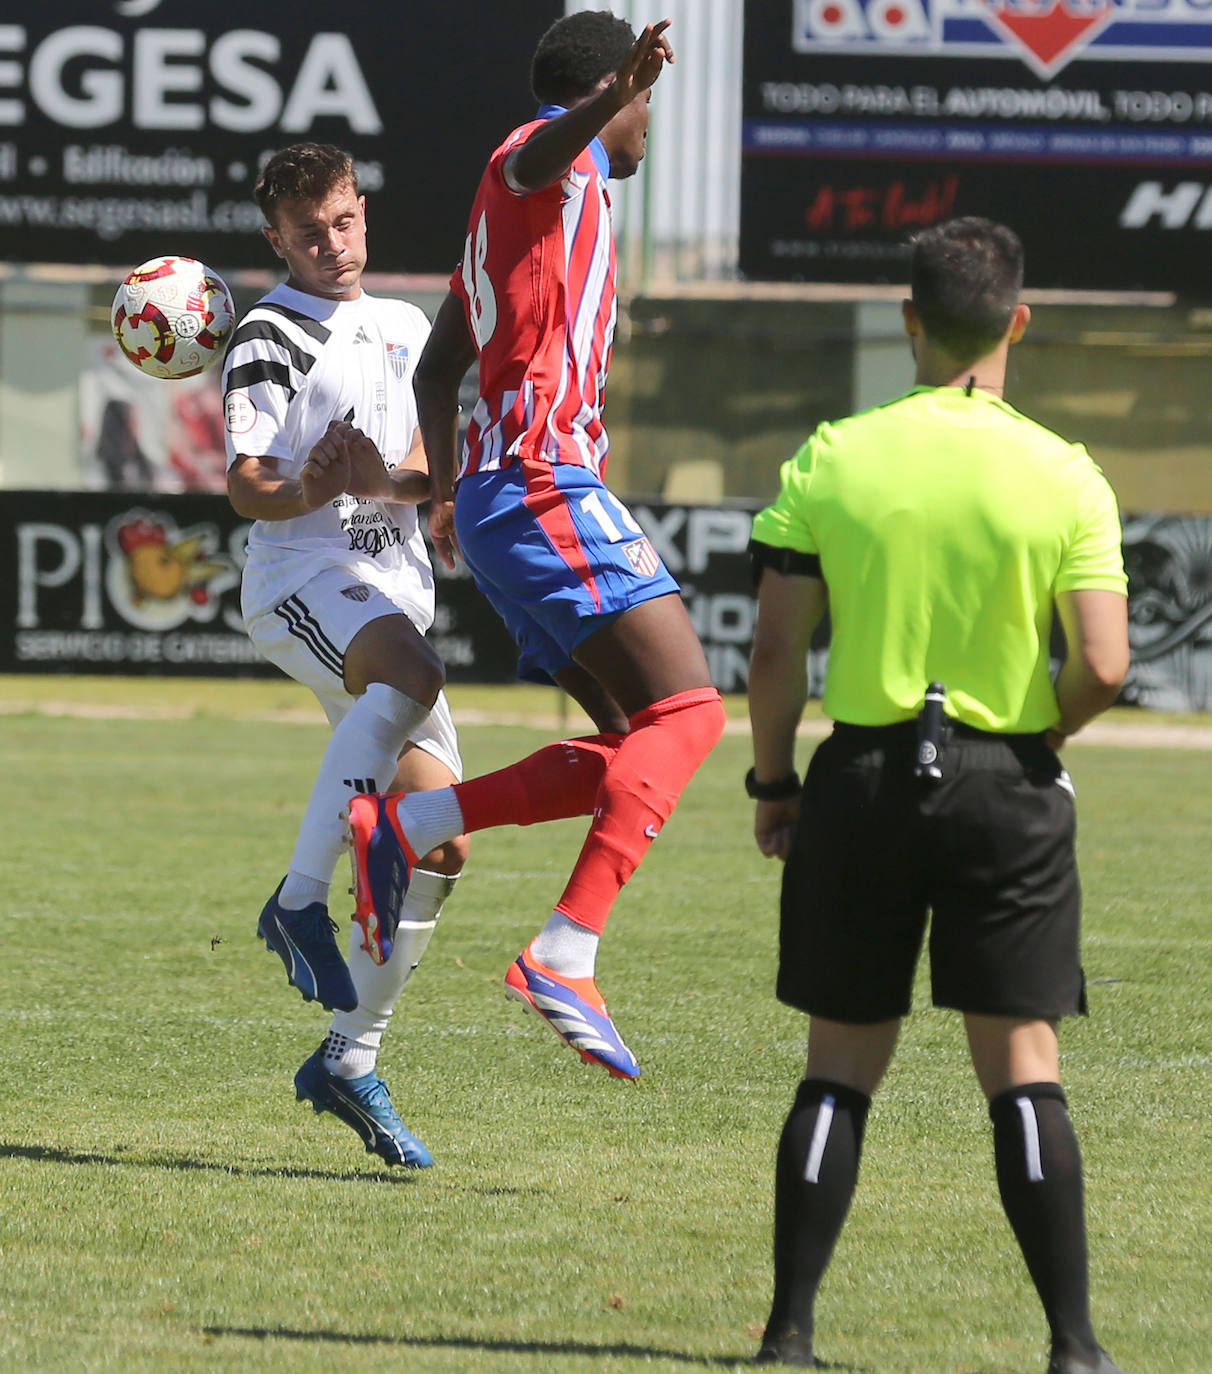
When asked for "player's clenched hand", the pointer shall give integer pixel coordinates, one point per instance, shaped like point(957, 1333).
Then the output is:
point(643, 63)
point(773, 826)
point(325, 473)
point(368, 476)
point(442, 531)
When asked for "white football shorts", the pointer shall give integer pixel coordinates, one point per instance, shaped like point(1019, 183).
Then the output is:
point(307, 635)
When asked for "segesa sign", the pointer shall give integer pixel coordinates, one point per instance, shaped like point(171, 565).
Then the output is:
point(89, 77)
point(131, 128)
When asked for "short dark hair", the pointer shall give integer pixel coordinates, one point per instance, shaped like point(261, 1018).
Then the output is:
point(965, 277)
point(576, 53)
point(304, 171)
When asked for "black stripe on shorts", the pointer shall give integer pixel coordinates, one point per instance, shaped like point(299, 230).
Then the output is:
point(301, 624)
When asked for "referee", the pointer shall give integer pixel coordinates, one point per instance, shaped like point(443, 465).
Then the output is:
point(943, 530)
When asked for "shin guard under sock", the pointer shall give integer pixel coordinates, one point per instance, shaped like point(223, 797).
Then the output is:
point(641, 786)
point(815, 1177)
point(1039, 1175)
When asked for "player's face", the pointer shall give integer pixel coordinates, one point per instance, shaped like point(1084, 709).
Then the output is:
point(323, 242)
point(625, 135)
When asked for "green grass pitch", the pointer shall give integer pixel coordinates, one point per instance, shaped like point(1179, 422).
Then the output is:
point(167, 1206)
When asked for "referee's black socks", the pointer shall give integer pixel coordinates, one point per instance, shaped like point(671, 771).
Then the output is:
point(1039, 1174)
point(817, 1168)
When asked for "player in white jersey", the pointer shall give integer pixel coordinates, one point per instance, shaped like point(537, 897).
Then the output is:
point(325, 456)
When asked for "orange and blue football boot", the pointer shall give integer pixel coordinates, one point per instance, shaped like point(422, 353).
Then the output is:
point(382, 861)
point(574, 1009)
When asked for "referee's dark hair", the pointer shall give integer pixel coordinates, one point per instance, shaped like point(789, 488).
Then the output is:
point(965, 277)
point(575, 54)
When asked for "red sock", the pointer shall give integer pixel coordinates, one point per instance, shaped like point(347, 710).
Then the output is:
point(641, 787)
point(559, 780)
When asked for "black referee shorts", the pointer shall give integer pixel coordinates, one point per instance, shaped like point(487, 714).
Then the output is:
point(988, 851)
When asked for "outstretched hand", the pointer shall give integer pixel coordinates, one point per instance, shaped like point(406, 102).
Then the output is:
point(643, 63)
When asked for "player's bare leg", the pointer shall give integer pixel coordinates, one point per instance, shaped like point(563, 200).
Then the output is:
point(648, 660)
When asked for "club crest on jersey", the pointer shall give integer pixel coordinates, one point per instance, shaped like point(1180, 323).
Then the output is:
point(642, 557)
point(397, 356)
point(1044, 34)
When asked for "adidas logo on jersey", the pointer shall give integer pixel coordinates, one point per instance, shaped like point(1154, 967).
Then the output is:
point(362, 336)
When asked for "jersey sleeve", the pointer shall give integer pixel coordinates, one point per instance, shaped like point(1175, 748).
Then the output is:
point(261, 374)
point(786, 523)
point(1093, 559)
point(493, 193)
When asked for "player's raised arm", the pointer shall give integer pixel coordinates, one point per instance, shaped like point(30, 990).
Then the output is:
point(550, 151)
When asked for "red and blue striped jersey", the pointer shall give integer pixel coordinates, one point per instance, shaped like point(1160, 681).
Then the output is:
point(537, 282)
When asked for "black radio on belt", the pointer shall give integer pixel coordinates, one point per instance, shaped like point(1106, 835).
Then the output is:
point(930, 734)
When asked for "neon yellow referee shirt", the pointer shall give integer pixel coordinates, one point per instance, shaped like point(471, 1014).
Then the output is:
point(945, 524)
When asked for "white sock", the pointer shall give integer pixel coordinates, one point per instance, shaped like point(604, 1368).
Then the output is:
point(347, 1058)
point(361, 757)
point(566, 947)
point(299, 891)
point(430, 818)
point(380, 985)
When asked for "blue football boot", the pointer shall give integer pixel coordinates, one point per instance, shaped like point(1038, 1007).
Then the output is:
point(365, 1104)
point(304, 942)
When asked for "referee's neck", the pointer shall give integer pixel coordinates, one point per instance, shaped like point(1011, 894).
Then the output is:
point(936, 368)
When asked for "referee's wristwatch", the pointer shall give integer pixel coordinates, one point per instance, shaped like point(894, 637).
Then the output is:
point(781, 790)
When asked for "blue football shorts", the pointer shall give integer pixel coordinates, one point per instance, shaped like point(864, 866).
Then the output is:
point(557, 554)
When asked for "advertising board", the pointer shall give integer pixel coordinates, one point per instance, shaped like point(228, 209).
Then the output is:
point(1084, 124)
point(131, 128)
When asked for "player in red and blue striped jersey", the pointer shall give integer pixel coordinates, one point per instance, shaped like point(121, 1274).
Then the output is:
point(560, 557)
point(538, 292)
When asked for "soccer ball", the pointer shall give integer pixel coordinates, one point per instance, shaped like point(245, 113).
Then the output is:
point(172, 317)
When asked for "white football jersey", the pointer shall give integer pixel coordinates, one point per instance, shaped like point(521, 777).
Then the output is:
point(295, 363)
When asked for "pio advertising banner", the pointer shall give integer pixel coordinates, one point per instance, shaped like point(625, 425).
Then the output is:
point(114, 582)
point(132, 128)
point(106, 582)
point(1084, 124)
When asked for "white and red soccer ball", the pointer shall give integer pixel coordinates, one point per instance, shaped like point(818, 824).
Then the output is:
point(172, 317)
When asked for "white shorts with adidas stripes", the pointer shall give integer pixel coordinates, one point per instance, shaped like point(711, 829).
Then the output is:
point(307, 635)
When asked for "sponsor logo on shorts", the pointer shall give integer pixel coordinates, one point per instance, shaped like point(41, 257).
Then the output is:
point(356, 592)
point(642, 557)
point(240, 413)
